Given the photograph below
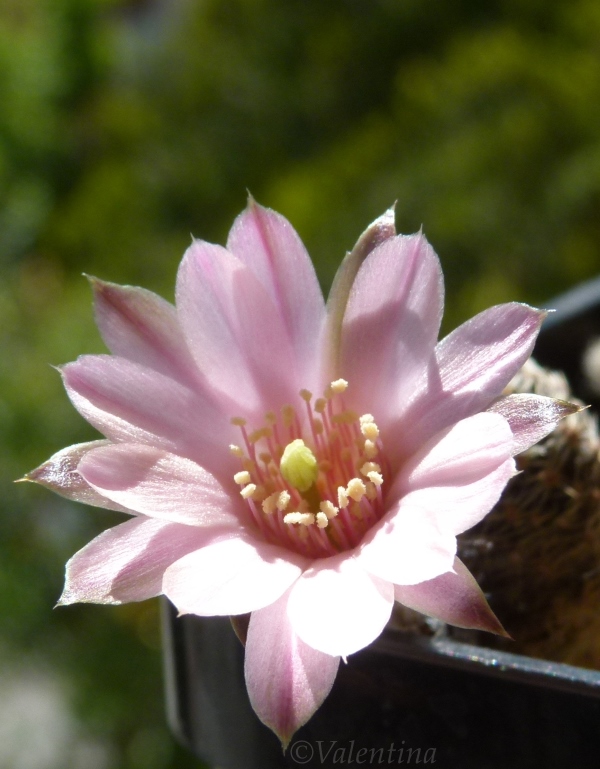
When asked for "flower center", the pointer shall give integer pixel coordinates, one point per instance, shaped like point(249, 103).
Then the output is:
point(313, 484)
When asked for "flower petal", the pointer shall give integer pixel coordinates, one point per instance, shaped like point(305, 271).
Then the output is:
point(472, 365)
point(382, 229)
point(160, 485)
point(453, 597)
point(142, 327)
point(268, 244)
point(287, 680)
point(234, 330)
point(337, 607)
point(461, 454)
point(127, 562)
point(59, 474)
point(391, 323)
point(130, 403)
point(458, 507)
point(233, 576)
point(408, 546)
point(531, 417)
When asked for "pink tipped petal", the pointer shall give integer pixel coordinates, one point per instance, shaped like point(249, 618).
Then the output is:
point(382, 229)
point(142, 327)
point(459, 507)
point(234, 331)
point(161, 485)
point(463, 453)
point(268, 244)
point(127, 562)
point(408, 546)
point(59, 473)
point(453, 597)
point(233, 576)
point(287, 680)
point(338, 608)
point(130, 403)
point(531, 417)
point(472, 366)
point(391, 323)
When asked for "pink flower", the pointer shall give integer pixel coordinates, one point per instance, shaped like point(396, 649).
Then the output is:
point(308, 463)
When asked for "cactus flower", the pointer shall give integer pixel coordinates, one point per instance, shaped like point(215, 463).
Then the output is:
point(306, 463)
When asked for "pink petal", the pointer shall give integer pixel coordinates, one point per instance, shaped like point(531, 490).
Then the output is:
point(531, 417)
point(234, 331)
point(160, 485)
point(391, 324)
point(142, 327)
point(268, 244)
point(127, 562)
point(458, 507)
point(377, 232)
point(337, 607)
point(130, 403)
point(287, 680)
point(461, 454)
point(59, 474)
point(233, 576)
point(408, 546)
point(472, 366)
point(453, 597)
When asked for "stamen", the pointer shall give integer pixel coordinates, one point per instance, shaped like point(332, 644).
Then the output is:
point(370, 467)
point(306, 395)
point(339, 386)
point(248, 490)
point(322, 520)
point(356, 489)
point(236, 450)
point(269, 505)
point(242, 478)
point(343, 500)
point(376, 478)
point(329, 509)
point(283, 500)
point(304, 519)
point(320, 405)
point(370, 449)
point(238, 421)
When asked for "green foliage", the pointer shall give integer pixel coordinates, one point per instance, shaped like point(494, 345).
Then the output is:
point(127, 124)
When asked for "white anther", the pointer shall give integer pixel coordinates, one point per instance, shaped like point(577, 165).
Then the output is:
point(283, 500)
point(304, 519)
point(342, 497)
point(242, 478)
point(339, 386)
point(370, 431)
point(356, 489)
point(370, 449)
point(370, 467)
point(236, 450)
point(270, 503)
point(248, 490)
point(328, 509)
point(322, 520)
point(366, 419)
point(376, 478)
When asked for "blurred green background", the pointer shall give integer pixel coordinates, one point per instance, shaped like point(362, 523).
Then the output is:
point(126, 125)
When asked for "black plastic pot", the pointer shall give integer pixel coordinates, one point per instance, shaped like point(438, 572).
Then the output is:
point(404, 700)
point(460, 706)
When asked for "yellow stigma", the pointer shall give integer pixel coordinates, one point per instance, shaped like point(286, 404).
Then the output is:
point(299, 465)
